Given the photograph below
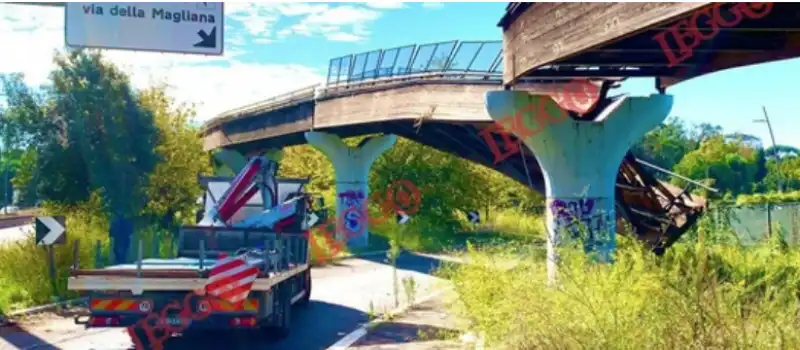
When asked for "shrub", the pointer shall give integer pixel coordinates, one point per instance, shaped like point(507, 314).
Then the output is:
point(696, 296)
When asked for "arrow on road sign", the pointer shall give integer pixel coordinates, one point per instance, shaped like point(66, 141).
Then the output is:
point(50, 230)
point(474, 217)
point(402, 218)
point(312, 219)
point(208, 40)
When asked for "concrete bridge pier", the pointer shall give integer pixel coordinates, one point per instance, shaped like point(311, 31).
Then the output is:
point(351, 165)
point(579, 160)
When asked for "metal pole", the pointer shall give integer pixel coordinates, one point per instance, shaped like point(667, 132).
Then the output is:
point(774, 147)
point(6, 186)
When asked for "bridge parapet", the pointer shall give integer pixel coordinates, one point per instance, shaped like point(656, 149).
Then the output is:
point(450, 62)
point(481, 57)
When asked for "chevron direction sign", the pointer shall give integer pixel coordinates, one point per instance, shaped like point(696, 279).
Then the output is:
point(50, 230)
point(474, 217)
point(402, 217)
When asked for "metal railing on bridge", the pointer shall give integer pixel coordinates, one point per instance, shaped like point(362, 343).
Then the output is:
point(461, 60)
point(472, 58)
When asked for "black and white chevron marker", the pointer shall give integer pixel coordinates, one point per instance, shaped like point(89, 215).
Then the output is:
point(474, 217)
point(402, 217)
point(312, 219)
point(50, 230)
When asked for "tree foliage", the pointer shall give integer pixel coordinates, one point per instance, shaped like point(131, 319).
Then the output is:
point(88, 131)
point(666, 145)
point(730, 165)
point(173, 188)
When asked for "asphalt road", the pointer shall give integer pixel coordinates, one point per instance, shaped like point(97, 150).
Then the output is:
point(15, 230)
point(341, 299)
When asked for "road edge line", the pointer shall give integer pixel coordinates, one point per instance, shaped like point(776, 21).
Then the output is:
point(351, 338)
point(42, 308)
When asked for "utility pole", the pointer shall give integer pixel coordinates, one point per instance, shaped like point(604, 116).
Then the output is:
point(4, 159)
point(774, 146)
point(6, 183)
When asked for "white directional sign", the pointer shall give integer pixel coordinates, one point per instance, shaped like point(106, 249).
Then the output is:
point(50, 230)
point(402, 217)
point(474, 217)
point(312, 220)
point(182, 27)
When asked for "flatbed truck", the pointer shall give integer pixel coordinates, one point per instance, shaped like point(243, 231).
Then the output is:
point(157, 298)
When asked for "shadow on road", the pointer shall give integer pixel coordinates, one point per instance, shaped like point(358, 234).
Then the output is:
point(317, 326)
point(395, 333)
point(12, 336)
point(412, 262)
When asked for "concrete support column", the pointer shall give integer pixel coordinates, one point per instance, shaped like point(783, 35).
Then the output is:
point(579, 159)
point(351, 166)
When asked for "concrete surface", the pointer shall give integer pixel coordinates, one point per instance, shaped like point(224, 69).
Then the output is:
point(425, 326)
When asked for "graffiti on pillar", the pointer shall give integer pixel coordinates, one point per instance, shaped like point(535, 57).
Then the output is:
point(353, 204)
point(580, 217)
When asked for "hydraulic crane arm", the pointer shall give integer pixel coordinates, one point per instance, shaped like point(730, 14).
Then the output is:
point(258, 174)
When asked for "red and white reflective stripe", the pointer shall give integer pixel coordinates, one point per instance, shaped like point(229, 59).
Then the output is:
point(231, 279)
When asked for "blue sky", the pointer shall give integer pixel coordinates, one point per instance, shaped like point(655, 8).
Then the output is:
point(275, 47)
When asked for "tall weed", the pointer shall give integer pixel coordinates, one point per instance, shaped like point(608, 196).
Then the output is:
point(704, 293)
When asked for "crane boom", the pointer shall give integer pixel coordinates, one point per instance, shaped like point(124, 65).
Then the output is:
point(257, 175)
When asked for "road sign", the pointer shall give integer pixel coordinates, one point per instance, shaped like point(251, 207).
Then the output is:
point(312, 220)
point(474, 217)
point(402, 217)
point(181, 27)
point(50, 230)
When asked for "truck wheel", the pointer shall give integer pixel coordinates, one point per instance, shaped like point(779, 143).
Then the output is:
point(282, 307)
point(139, 338)
point(304, 301)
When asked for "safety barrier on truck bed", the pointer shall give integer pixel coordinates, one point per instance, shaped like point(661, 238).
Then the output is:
point(139, 284)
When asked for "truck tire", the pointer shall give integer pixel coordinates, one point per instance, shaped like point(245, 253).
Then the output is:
point(282, 307)
point(306, 278)
point(139, 338)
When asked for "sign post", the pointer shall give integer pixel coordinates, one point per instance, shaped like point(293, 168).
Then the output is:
point(51, 230)
point(179, 27)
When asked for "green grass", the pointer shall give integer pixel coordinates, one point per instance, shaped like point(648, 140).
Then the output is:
point(24, 273)
point(700, 295)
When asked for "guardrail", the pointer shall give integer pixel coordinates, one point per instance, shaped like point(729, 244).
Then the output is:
point(299, 95)
point(317, 91)
point(450, 60)
point(441, 76)
point(447, 56)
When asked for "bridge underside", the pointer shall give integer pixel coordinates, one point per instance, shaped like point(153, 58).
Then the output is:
point(659, 213)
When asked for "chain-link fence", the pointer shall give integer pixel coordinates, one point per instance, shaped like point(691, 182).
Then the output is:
point(753, 223)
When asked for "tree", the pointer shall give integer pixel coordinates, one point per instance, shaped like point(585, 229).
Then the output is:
point(705, 131)
point(91, 136)
point(782, 151)
point(172, 190)
point(666, 145)
point(782, 174)
point(731, 165)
